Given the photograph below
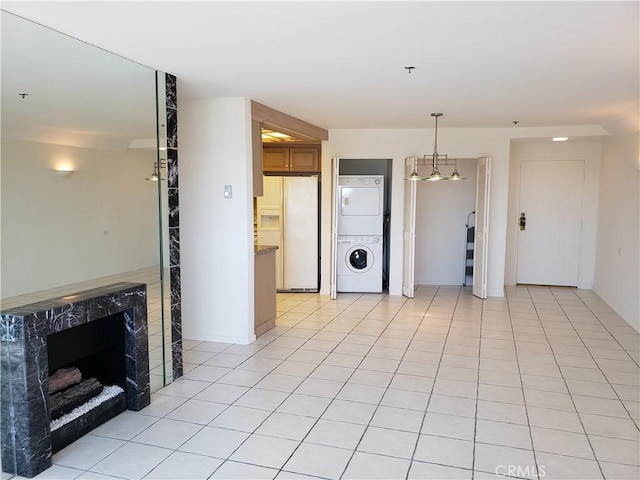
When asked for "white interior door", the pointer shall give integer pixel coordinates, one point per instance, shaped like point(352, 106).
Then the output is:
point(409, 231)
point(335, 205)
point(481, 228)
point(549, 245)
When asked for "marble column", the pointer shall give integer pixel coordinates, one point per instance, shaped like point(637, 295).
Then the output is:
point(174, 223)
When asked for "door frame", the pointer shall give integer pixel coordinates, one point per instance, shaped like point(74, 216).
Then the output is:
point(335, 203)
point(409, 230)
point(481, 237)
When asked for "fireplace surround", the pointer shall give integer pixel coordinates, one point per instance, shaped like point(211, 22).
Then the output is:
point(25, 434)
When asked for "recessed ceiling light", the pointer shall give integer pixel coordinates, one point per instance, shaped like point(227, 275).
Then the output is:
point(560, 139)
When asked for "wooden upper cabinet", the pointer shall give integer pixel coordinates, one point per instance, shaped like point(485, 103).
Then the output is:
point(291, 159)
point(303, 159)
point(275, 159)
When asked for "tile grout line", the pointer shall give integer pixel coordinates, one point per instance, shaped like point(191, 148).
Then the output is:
point(280, 469)
point(605, 327)
point(335, 396)
point(596, 363)
point(524, 397)
point(308, 376)
point(355, 449)
point(563, 377)
point(475, 419)
point(249, 389)
point(426, 409)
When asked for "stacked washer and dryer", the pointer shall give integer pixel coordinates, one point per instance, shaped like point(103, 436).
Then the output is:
point(360, 233)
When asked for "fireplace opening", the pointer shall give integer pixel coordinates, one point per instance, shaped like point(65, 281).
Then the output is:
point(94, 350)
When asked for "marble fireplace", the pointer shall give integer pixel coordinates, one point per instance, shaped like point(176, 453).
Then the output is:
point(72, 326)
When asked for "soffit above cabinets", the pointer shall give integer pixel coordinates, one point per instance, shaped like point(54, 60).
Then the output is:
point(281, 127)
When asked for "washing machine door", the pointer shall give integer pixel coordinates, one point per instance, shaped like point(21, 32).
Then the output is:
point(359, 259)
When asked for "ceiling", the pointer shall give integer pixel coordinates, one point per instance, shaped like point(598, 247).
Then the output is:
point(342, 64)
point(58, 90)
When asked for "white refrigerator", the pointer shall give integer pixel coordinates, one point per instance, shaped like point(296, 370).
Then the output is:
point(287, 216)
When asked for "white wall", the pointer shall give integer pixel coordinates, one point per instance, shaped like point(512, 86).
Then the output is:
point(216, 234)
point(100, 221)
point(465, 143)
point(617, 272)
point(588, 151)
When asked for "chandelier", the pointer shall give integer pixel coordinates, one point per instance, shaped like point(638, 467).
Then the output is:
point(155, 175)
point(435, 159)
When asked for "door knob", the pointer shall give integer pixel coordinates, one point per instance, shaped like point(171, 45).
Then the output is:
point(523, 222)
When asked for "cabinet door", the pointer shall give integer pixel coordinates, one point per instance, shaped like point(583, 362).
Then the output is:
point(275, 159)
point(304, 159)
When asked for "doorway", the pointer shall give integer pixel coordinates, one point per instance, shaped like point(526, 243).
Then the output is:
point(375, 167)
point(550, 219)
point(436, 242)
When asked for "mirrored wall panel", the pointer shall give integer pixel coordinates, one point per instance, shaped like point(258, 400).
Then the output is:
point(83, 180)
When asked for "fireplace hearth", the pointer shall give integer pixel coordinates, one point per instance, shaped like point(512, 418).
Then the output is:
point(103, 333)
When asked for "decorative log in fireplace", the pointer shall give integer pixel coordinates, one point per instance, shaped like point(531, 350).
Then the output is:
point(64, 402)
point(27, 334)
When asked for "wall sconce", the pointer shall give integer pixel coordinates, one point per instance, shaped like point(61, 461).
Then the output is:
point(64, 171)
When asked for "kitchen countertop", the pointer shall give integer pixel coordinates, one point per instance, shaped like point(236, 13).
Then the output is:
point(260, 249)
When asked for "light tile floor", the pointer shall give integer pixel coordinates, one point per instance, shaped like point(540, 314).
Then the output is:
point(541, 384)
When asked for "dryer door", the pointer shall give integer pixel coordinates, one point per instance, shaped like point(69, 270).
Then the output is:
point(361, 205)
